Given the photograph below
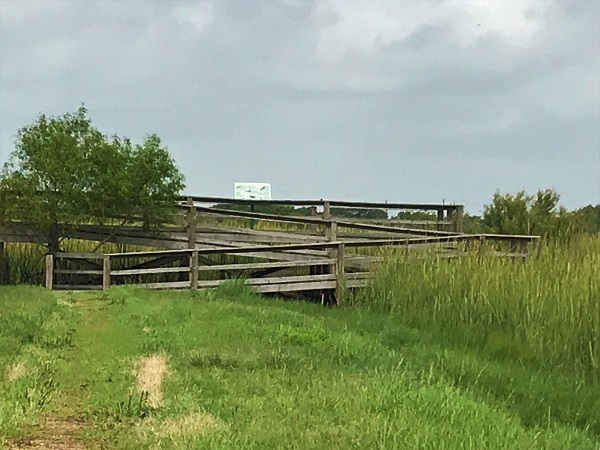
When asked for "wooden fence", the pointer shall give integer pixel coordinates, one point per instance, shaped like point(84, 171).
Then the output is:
point(323, 251)
point(330, 265)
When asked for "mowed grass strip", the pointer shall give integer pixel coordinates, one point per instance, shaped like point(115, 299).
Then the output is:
point(248, 372)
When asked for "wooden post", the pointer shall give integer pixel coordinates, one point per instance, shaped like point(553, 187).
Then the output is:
point(313, 213)
point(450, 215)
point(106, 272)
point(49, 271)
point(326, 211)
point(331, 235)
point(440, 219)
point(458, 218)
point(191, 223)
point(194, 270)
point(340, 273)
point(331, 231)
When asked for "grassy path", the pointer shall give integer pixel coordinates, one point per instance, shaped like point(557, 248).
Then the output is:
point(64, 425)
point(227, 370)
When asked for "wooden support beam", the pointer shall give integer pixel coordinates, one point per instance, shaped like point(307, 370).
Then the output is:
point(458, 218)
point(191, 223)
point(49, 271)
point(326, 211)
point(106, 273)
point(194, 270)
point(340, 274)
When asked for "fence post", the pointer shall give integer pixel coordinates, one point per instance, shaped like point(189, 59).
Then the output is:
point(450, 217)
point(458, 218)
point(331, 236)
point(106, 272)
point(440, 219)
point(194, 270)
point(191, 223)
point(326, 211)
point(49, 271)
point(340, 274)
point(331, 231)
point(313, 214)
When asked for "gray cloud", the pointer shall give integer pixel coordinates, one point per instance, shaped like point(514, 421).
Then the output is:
point(374, 100)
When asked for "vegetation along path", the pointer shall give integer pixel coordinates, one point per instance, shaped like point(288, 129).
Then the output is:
point(227, 370)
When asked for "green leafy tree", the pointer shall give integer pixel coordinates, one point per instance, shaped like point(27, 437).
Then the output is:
point(508, 214)
point(588, 218)
point(64, 172)
point(537, 214)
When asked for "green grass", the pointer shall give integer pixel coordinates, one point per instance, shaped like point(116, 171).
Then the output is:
point(253, 373)
point(545, 310)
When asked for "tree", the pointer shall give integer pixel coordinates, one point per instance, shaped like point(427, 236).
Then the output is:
point(64, 172)
point(508, 214)
point(537, 214)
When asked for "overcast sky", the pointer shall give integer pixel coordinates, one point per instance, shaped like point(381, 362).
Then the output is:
point(413, 101)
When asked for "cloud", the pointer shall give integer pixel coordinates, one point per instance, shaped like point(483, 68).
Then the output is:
point(407, 101)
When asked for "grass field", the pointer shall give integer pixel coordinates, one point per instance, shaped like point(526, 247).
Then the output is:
point(227, 370)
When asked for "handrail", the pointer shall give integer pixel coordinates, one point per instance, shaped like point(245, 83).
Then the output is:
point(321, 202)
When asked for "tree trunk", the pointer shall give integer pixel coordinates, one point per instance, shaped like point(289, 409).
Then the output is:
point(53, 239)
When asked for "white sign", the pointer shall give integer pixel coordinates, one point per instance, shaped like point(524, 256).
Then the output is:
point(252, 191)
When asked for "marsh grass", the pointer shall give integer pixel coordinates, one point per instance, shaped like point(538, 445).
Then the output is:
point(545, 309)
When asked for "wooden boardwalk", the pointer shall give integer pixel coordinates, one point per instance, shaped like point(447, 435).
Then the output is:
point(270, 252)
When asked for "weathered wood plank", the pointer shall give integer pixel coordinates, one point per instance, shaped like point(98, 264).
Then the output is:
point(106, 273)
point(294, 287)
point(333, 203)
point(261, 216)
point(182, 252)
point(273, 280)
point(268, 265)
point(124, 272)
point(49, 271)
point(168, 285)
point(79, 272)
point(61, 255)
point(194, 270)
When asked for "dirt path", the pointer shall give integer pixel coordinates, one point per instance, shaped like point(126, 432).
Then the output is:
point(63, 429)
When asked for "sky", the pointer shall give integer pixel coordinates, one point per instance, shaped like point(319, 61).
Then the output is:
point(368, 100)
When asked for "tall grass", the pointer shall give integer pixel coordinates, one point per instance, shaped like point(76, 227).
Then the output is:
point(24, 263)
point(544, 309)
